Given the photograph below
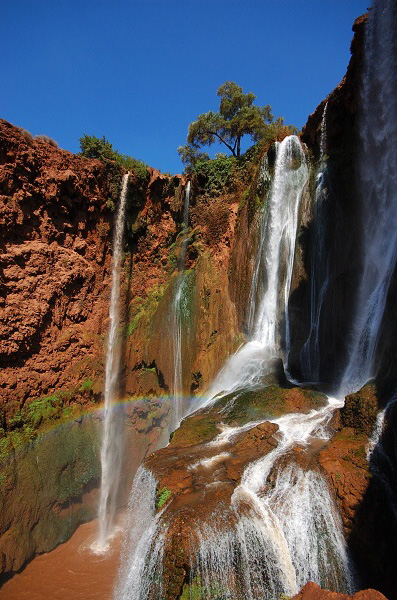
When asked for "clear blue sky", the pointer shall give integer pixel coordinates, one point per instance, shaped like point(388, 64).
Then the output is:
point(139, 71)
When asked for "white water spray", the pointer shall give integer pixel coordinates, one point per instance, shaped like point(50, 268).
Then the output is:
point(112, 441)
point(286, 533)
point(272, 274)
point(178, 309)
point(140, 575)
point(378, 190)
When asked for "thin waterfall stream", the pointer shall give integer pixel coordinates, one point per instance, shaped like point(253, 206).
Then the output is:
point(177, 317)
point(319, 275)
point(112, 440)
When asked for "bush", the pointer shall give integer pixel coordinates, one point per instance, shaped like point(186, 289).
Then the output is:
point(162, 497)
point(215, 176)
point(47, 140)
point(100, 148)
point(86, 386)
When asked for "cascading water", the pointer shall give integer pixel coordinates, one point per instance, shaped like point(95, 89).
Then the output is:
point(272, 274)
point(112, 441)
point(378, 191)
point(319, 271)
point(286, 533)
point(141, 560)
point(177, 319)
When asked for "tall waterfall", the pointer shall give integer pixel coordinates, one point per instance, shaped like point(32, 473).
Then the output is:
point(319, 271)
point(111, 450)
point(275, 536)
point(177, 319)
point(272, 274)
point(377, 183)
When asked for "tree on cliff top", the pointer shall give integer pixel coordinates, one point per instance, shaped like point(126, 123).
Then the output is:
point(237, 116)
point(94, 147)
point(100, 148)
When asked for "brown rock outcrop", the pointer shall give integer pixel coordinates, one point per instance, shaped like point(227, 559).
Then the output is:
point(312, 591)
point(54, 260)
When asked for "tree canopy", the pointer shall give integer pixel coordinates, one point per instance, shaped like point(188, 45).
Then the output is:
point(237, 116)
point(94, 147)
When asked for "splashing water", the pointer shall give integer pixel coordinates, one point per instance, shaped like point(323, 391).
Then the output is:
point(177, 320)
point(285, 534)
point(319, 272)
point(140, 575)
point(272, 274)
point(112, 441)
point(378, 190)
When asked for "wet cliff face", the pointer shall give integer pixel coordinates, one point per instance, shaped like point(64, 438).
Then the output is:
point(341, 231)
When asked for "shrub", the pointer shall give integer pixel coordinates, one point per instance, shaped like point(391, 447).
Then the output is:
point(162, 497)
point(215, 176)
point(26, 134)
point(86, 386)
point(47, 140)
point(100, 148)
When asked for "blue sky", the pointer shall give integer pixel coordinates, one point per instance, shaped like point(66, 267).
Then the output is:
point(139, 71)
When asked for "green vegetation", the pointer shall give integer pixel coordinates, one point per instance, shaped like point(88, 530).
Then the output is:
point(196, 591)
point(144, 308)
point(217, 174)
point(162, 497)
point(198, 429)
point(86, 386)
point(237, 116)
point(100, 148)
point(28, 423)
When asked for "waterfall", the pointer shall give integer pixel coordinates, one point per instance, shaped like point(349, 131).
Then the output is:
point(140, 575)
point(112, 446)
point(286, 533)
point(378, 190)
point(319, 268)
point(272, 274)
point(282, 527)
point(177, 318)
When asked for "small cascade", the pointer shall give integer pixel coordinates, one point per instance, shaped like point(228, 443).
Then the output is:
point(285, 534)
point(319, 268)
point(377, 185)
point(272, 274)
point(178, 309)
point(140, 575)
point(112, 440)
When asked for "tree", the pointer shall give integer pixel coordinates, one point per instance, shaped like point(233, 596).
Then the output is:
point(237, 116)
point(93, 147)
point(191, 155)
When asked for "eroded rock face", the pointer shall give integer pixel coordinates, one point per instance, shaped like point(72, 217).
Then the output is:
point(54, 260)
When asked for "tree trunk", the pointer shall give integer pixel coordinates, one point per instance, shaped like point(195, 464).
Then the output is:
point(238, 146)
